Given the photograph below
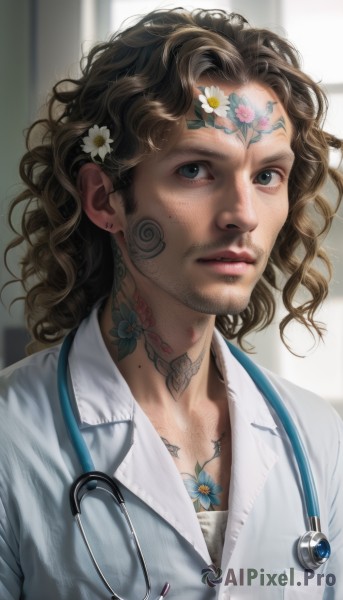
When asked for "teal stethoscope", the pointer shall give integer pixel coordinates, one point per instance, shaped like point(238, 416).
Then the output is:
point(313, 547)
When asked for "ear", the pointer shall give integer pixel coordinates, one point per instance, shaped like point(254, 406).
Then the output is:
point(98, 199)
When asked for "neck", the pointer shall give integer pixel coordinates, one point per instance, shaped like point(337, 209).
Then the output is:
point(161, 348)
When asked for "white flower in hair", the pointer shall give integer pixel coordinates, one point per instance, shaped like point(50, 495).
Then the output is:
point(214, 101)
point(97, 142)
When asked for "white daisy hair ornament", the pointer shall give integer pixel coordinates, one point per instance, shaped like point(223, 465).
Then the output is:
point(97, 142)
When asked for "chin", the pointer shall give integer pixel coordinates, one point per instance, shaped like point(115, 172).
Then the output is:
point(232, 309)
point(219, 306)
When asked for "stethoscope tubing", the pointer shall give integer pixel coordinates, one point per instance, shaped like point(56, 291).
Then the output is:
point(90, 476)
point(90, 481)
point(77, 440)
point(273, 398)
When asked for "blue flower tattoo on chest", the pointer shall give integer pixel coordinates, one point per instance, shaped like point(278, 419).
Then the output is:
point(201, 487)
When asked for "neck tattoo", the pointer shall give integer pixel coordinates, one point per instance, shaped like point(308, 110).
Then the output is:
point(133, 321)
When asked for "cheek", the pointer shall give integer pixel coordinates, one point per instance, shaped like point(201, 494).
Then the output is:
point(145, 240)
point(188, 221)
point(276, 215)
point(283, 215)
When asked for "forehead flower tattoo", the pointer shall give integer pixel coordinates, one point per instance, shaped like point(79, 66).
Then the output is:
point(233, 114)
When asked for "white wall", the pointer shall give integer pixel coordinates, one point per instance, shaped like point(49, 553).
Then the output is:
point(14, 116)
point(39, 39)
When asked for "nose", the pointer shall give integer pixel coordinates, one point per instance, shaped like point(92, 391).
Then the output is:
point(237, 209)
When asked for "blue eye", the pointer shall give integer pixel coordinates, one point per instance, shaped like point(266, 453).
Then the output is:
point(269, 177)
point(191, 171)
point(195, 171)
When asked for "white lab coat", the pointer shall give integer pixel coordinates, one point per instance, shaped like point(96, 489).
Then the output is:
point(42, 556)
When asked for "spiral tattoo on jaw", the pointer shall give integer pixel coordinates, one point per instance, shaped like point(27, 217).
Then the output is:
point(146, 240)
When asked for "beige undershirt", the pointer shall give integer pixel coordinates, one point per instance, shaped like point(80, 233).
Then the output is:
point(213, 526)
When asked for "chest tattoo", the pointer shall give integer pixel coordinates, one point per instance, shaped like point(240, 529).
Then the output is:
point(201, 487)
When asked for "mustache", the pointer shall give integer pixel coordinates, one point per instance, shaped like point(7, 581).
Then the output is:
point(240, 243)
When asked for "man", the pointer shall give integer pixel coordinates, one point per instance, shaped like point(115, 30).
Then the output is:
point(172, 187)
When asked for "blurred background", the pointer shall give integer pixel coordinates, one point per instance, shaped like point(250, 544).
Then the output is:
point(42, 41)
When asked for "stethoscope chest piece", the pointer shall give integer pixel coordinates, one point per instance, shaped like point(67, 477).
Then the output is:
point(313, 549)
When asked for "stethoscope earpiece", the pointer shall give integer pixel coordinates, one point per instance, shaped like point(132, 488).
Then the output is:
point(313, 549)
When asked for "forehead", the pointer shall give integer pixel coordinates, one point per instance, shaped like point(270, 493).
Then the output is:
point(247, 116)
point(255, 92)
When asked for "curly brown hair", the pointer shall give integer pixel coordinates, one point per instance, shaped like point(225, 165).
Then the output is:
point(139, 84)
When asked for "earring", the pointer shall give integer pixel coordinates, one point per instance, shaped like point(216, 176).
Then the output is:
point(109, 225)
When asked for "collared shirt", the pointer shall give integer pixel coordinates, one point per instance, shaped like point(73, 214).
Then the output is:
point(42, 555)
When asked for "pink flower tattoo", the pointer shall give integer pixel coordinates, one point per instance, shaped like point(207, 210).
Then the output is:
point(244, 113)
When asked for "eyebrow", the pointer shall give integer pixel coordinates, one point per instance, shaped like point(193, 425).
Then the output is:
point(284, 155)
point(205, 152)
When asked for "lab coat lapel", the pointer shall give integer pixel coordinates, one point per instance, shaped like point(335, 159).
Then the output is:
point(252, 458)
point(147, 468)
point(252, 461)
point(149, 472)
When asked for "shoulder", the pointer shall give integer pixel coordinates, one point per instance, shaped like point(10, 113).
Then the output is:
point(310, 413)
point(41, 363)
point(26, 385)
point(314, 416)
point(29, 413)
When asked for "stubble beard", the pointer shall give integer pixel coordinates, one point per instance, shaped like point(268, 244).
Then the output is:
point(214, 305)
